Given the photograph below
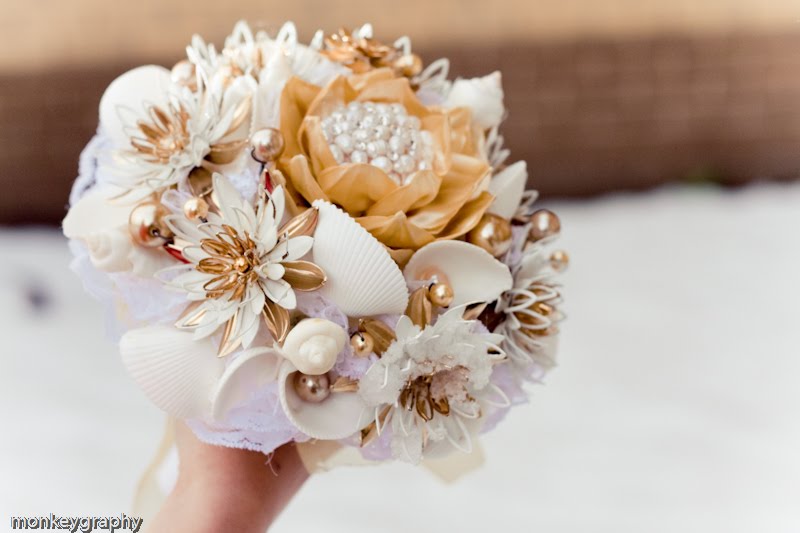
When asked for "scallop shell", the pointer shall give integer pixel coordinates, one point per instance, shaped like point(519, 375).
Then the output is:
point(314, 344)
point(251, 370)
point(338, 416)
point(473, 274)
point(175, 372)
point(109, 250)
point(363, 280)
point(507, 187)
point(131, 93)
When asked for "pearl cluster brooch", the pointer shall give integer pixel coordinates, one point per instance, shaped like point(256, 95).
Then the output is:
point(382, 135)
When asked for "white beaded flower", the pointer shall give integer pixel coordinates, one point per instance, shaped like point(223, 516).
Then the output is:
point(379, 134)
point(430, 383)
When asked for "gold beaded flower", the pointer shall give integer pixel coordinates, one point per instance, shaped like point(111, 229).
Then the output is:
point(244, 267)
point(362, 163)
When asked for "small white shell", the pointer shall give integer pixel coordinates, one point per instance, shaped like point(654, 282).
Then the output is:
point(507, 187)
point(314, 344)
point(338, 416)
point(131, 93)
point(363, 280)
point(175, 372)
point(109, 250)
point(473, 274)
point(251, 370)
point(94, 212)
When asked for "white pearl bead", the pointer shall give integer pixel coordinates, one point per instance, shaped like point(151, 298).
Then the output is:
point(382, 163)
point(405, 164)
point(337, 153)
point(396, 143)
point(359, 157)
point(381, 134)
point(376, 148)
point(345, 142)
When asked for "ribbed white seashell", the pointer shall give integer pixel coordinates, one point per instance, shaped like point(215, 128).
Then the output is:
point(251, 370)
point(175, 372)
point(109, 250)
point(507, 187)
point(363, 280)
point(314, 344)
point(131, 93)
point(473, 274)
point(338, 416)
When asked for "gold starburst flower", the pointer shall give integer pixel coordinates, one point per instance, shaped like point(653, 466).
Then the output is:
point(244, 267)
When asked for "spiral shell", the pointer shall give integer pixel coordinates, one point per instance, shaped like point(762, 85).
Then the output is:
point(109, 250)
point(314, 344)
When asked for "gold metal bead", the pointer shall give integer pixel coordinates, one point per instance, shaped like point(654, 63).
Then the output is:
point(544, 223)
point(440, 294)
point(311, 389)
point(408, 65)
point(195, 207)
point(146, 225)
point(492, 233)
point(267, 144)
point(559, 260)
point(362, 343)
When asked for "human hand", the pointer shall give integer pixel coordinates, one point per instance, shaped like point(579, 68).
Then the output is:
point(225, 489)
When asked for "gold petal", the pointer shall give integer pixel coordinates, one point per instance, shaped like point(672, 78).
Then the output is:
point(442, 405)
point(473, 311)
point(345, 185)
point(303, 275)
point(303, 224)
point(369, 433)
point(344, 384)
point(467, 217)
point(226, 344)
point(277, 320)
point(224, 153)
point(396, 231)
point(191, 317)
point(420, 309)
point(382, 335)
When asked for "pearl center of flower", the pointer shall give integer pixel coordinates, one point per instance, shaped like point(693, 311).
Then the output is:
point(379, 134)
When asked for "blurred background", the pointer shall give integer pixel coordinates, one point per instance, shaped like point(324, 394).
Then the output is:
point(667, 137)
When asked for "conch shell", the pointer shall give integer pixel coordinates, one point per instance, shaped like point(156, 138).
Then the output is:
point(314, 344)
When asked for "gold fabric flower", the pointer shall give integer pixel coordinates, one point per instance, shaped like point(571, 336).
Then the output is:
point(442, 202)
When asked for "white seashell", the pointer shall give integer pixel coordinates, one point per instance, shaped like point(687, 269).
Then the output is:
point(483, 96)
point(507, 187)
point(109, 250)
point(175, 372)
point(314, 344)
point(251, 370)
point(95, 212)
point(131, 93)
point(473, 274)
point(363, 280)
point(338, 416)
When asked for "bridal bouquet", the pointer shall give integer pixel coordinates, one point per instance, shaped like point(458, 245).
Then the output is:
point(317, 243)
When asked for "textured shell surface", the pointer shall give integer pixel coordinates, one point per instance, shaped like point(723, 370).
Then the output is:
point(363, 280)
point(314, 344)
point(175, 372)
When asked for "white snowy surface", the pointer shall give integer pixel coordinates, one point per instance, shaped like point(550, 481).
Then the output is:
point(675, 407)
